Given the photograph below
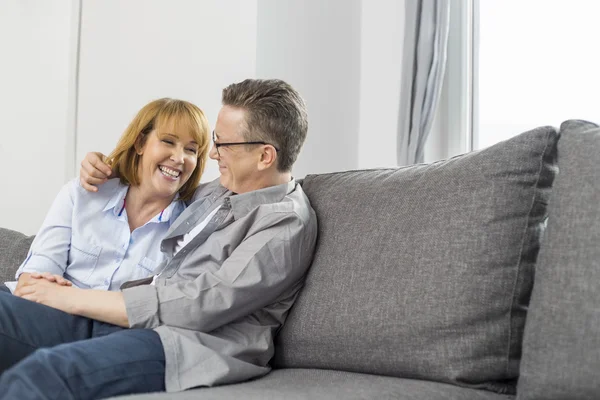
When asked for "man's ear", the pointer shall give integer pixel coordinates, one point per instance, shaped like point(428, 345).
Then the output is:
point(268, 158)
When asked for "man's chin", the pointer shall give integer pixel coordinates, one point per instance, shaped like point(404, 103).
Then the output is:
point(224, 182)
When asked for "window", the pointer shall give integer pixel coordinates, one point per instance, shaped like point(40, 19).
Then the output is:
point(537, 63)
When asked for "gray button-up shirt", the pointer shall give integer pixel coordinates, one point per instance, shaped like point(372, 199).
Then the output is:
point(220, 300)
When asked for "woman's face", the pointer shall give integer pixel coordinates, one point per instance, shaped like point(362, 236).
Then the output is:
point(167, 161)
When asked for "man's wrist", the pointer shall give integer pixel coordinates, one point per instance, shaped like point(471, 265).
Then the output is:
point(75, 299)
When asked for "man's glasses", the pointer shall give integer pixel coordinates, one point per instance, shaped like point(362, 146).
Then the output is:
point(217, 145)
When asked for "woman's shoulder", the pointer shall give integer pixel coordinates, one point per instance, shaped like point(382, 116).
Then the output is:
point(105, 191)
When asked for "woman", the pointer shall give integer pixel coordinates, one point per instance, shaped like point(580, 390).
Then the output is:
point(100, 240)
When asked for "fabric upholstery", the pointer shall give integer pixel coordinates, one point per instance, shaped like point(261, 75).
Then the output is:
point(425, 271)
point(300, 384)
point(13, 250)
point(561, 351)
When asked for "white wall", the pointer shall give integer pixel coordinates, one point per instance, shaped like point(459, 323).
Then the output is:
point(35, 46)
point(342, 55)
point(315, 46)
point(380, 81)
point(136, 51)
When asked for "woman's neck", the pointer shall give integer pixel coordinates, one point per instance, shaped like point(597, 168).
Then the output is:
point(142, 207)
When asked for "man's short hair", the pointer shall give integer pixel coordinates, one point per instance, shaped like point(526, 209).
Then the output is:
point(275, 113)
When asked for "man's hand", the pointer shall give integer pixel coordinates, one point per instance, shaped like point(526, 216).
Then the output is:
point(50, 294)
point(94, 171)
point(27, 278)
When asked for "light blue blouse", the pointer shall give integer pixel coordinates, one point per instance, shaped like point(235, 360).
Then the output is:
point(86, 238)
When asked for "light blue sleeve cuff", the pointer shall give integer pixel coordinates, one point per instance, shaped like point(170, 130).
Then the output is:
point(39, 263)
point(141, 303)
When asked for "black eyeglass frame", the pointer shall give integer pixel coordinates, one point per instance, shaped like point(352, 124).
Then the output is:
point(217, 145)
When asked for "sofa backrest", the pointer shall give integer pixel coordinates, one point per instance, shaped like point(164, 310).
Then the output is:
point(425, 271)
point(561, 350)
point(13, 250)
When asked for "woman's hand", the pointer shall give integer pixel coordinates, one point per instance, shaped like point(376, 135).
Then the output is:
point(94, 171)
point(51, 278)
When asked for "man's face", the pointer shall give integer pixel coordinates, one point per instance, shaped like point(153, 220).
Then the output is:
point(238, 165)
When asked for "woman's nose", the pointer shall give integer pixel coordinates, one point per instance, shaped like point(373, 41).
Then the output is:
point(177, 155)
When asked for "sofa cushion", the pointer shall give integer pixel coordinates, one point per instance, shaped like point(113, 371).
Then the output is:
point(561, 350)
point(13, 250)
point(425, 271)
point(303, 384)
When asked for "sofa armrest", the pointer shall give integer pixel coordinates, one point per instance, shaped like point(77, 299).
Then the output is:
point(13, 250)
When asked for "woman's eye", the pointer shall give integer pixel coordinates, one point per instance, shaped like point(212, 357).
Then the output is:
point(167, 141)
point(192, 150)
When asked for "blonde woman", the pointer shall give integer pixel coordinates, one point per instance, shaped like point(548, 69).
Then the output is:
point(100, 240)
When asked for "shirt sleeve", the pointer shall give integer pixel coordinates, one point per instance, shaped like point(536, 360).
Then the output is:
point(258, 272)
point(49, 251)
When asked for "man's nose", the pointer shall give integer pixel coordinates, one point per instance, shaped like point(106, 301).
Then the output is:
point(213, 153)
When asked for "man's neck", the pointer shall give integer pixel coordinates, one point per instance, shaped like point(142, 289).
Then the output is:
point(266, 181)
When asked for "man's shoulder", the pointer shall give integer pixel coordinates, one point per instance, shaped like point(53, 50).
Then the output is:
point(206, 189)
point(297, 202)
point(293, 206)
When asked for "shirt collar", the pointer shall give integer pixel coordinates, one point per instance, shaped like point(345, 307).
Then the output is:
point(117, 201)
point(242, 204)
point(171, 212)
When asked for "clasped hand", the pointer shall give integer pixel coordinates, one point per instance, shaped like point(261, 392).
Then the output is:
point(45, 288)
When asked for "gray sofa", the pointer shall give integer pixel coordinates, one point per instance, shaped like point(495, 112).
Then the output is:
point(476, 277)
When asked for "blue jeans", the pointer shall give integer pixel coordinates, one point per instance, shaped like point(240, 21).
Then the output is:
point(48, 354)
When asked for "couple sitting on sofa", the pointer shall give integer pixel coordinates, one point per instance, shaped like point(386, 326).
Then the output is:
point(231, 265)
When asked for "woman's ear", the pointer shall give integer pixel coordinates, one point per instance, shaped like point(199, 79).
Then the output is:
point(139, 144)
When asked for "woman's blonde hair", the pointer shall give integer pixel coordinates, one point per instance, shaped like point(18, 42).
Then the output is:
point(124, 160)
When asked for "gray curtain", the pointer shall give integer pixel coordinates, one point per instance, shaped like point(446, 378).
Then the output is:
point(423, 65)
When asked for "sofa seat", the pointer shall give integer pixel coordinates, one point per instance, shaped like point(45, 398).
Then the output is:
point(291, 384)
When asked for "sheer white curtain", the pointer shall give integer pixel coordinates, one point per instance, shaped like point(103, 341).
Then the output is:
point(423, 65)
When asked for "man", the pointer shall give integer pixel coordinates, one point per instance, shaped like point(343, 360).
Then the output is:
point(237, 258)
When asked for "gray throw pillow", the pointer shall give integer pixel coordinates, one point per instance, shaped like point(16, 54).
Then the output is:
point(561, 350)
point(13, 250)
point(425, 271)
